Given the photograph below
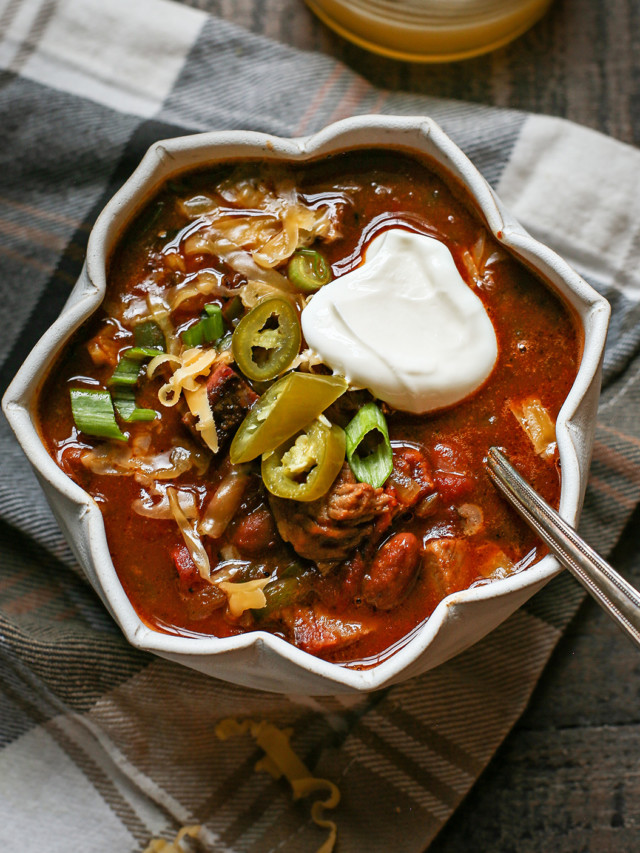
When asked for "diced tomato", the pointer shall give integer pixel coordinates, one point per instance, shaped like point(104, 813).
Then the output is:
point(412, 478)
point(450, 474)
point(186, 568)
point(452, 486)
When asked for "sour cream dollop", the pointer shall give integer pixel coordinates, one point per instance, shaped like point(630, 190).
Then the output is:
point(404, 324)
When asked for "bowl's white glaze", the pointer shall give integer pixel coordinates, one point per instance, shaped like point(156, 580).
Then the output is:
point(258, 659)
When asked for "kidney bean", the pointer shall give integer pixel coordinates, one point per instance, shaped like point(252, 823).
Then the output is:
point(393, 571)
point(255, 534)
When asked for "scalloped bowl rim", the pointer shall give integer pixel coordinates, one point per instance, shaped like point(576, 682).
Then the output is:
point(165, 157)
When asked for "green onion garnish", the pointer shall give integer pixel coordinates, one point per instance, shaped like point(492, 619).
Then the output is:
point(149, 334)
point(126, 372)
point(213, 323)
point(193, 336)
point(207, 330)
point(308, 270)
point(124, 399)
point(93, 413)
point(377, 465)
point(140, 353)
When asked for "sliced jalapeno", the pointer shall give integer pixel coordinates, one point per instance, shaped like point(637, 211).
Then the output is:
point(284, 409)
point(304, 469)
point(308, 270)
point(267, 339)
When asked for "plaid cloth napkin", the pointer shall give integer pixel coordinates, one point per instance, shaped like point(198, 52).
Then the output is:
point(102, 746)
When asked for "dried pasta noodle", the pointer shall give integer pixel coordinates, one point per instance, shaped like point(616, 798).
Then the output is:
point(281, 760)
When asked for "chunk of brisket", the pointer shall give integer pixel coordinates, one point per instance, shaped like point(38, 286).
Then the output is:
point(230, 398)
point(328, 529)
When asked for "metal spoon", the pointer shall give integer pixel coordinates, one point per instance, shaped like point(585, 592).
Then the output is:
point(620, 600)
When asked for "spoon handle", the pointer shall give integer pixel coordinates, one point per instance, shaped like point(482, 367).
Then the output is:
point(611, 590)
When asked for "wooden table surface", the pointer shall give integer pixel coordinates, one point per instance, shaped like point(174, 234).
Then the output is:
point(567, 779)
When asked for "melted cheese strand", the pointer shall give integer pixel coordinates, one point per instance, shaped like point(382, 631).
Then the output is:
point(193, 363)
point(198, 402)
point(244, 596)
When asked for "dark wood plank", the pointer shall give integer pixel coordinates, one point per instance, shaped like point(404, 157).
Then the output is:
point(564, 791)
point(567, 777)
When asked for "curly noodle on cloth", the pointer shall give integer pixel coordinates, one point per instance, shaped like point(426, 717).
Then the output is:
point(280, 760)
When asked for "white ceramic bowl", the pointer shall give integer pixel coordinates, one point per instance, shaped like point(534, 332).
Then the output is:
point(259, 659)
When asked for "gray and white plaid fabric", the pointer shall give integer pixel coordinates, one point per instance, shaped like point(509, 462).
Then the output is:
point(102, 746)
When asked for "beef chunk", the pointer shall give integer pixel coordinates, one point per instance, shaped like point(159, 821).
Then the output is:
point(320, 633)
point(328, 529)
point(230, 398)
point(444, 560)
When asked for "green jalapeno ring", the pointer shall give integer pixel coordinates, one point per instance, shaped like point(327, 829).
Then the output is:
point(267, 339)
point(308, 270)
point(303, 470)
point(292, 402)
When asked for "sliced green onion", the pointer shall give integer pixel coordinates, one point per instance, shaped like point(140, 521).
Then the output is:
point(207, 330)
point(93, 413)
point(193, 336)
point(126, 372)
point(213, 323)
point(124, 399)
point(140, 353)
point(149, 334)
point(308, 270)
point(376, 466)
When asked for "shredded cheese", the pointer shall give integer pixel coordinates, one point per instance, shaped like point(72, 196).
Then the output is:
point(194, 362)
point(163, 358)
point(199, 407)
point(281, 760)
point(205, 282)
point(254, 291)
point(306, 360)
point(244, 596)
point(146, 506)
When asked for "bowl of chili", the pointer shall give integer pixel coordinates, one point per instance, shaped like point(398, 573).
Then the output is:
point(242, 505)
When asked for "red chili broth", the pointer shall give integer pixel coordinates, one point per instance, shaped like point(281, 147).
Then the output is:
point(539, 351)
